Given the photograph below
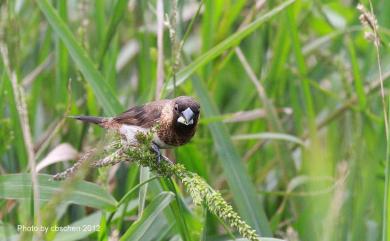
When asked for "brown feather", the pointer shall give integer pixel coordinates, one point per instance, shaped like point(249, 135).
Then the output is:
point(145, 116)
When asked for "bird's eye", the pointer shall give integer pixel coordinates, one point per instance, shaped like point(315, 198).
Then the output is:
point(176, 107)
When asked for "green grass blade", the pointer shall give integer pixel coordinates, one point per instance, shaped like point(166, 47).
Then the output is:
point(87, 225)
point(179, 211)
point(18, 141)
point(244, 192)
point(150, 216)
point(18, 186)
point(359, 85)
point(302, 68)
point(144, 175)
point(100, 20)
point(230, 42)
point(117, 15)
point(102, 90)
point(61, 60)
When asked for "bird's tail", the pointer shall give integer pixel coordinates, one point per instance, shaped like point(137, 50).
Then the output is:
point(90, 119)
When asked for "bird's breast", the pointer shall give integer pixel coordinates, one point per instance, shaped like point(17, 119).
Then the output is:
point(173, 137)
point(129, 133)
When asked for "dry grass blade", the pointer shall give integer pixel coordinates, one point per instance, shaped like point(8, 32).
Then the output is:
point(62, 152)
point(24, 123)
point(160, 48)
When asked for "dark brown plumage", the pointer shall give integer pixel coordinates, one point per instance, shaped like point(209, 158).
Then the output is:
point(177, 119)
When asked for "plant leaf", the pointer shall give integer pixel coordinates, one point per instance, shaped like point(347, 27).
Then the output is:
point(116, 16)
point(18, 186)
point(87, 225)
point(149, 217)
point(102, 90)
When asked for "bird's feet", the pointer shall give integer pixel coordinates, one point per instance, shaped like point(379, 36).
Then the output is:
point(156, 149)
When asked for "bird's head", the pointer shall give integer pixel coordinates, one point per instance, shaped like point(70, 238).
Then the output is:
point(185, 112)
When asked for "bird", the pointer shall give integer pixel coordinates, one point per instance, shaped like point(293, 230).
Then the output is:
point(176, 118)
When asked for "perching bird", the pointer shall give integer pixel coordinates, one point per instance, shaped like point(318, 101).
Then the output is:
point(176, 119)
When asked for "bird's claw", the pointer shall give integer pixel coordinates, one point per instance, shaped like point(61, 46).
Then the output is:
point(156, 150)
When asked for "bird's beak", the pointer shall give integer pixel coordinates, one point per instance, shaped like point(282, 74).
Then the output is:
point(186, 117)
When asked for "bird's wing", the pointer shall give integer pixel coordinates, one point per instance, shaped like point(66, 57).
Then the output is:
point(145, 116)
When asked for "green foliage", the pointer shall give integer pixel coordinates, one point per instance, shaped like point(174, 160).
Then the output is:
point(291, 136)
point(151, 215)
point(18, 186)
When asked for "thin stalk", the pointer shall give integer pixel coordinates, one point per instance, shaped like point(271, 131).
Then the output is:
point(369, 20)
point(273, 119)
point(24, 123)
point(160, 48)
point(175, 48)
point(386, 213)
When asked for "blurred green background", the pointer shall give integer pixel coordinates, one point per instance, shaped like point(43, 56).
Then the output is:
point(292, 129)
